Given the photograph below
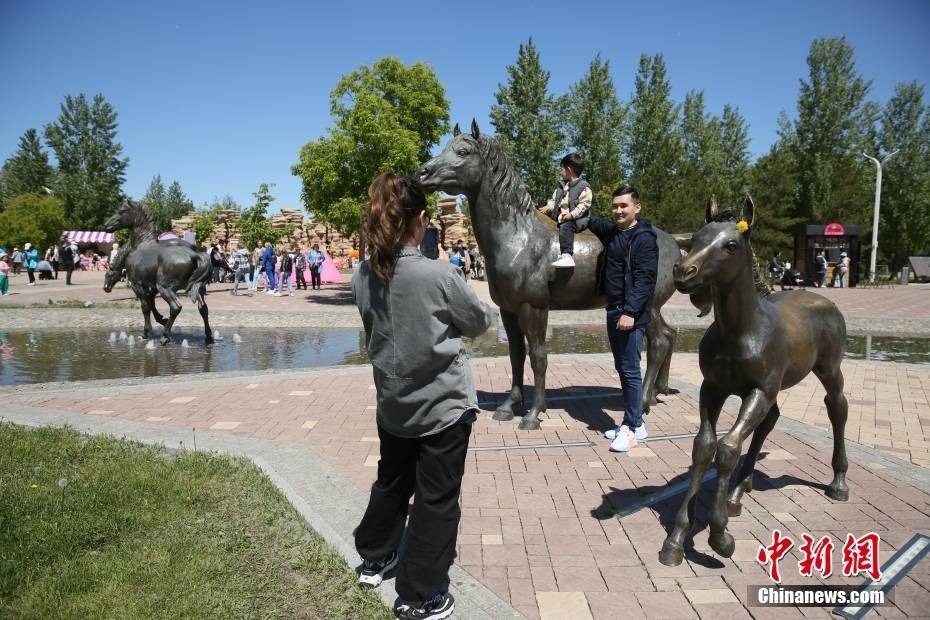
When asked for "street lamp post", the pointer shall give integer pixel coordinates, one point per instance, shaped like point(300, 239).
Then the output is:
point(878, 201)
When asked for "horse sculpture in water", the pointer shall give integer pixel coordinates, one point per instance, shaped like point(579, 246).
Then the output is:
point(755, 347)
point(158, 268)
point(519, 245)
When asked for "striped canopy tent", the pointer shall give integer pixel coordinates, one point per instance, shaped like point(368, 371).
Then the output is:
point(88, 236)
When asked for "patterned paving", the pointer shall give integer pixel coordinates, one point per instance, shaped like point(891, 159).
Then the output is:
point(537, 524)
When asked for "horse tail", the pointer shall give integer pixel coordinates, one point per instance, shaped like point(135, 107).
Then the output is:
point(200, 277)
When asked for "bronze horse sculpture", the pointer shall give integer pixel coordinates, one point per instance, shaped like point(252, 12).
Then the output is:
point(158, 268)
point(519, 245)
point(756, 347)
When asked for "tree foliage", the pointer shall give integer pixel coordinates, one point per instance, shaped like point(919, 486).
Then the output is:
point(525, 121)
point(388, 117)
point(91, 170)
point(33, 218)
point(904, 228)
point(254, 224)
point(27, 171)
point(774, 185)
point(655, 148)
point(166, 204)
point(593, 124)
point(834, 126)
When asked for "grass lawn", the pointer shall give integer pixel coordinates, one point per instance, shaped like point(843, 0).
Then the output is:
point(101, 528)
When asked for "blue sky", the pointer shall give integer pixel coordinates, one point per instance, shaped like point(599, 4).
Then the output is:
point(221, 95)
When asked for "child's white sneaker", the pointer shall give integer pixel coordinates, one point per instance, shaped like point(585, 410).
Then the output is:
point(565, 260)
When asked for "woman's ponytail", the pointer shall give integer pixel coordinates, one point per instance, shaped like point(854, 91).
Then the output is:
point(394, 207)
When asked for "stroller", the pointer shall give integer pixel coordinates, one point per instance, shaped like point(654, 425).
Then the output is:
point(791, 278)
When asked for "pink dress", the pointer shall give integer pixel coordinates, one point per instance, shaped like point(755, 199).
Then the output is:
point(329, 273)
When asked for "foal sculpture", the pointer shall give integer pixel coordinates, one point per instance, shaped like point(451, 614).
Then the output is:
point(756, 347)
point(519, 245)
point(158, 268)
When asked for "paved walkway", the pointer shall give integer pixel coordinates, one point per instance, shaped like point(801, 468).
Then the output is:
point(537, 536)
point(902, 311)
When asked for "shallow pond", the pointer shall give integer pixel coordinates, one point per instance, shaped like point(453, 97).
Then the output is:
point(41, 356)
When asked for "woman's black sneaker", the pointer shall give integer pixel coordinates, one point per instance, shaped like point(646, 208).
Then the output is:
point(372, 573)
point(440, 606)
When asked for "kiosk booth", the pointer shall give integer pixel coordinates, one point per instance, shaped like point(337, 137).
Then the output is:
point(833, 239)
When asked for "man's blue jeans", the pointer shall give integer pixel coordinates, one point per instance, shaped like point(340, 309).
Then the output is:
point(627, 347)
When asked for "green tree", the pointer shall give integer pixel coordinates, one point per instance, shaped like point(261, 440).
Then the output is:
point(734, 135)
point(655, 148)
point(27, 171)
point(700, 172)
point(905, 208)
point(254, 224)
point(594, 126)
point(526, 123)
point(34, 218)
point(774, 184)
point(177, 205)
point(834, 125)
point(154, 201)
point(204, 224)
point(388, 117)
point(91, 170)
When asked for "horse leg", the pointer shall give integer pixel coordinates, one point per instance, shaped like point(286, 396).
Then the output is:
point(158, 317)
point(658, 350)
point(146, 314)
point(517, 347)
point(702, 453)
point(204, 314)
point(671, 335)
point(533, 323)
point(756, 405)
point(838, 410)
point(168, 295)
point(744, 475)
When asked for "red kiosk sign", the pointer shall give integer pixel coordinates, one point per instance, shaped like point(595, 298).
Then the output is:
point(834, 230)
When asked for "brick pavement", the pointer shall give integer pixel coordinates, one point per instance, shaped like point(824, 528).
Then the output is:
point(536, 523)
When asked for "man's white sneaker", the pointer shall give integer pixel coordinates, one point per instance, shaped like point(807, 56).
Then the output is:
point(276, 294)
point(640, 433)
point(623, 441)
point(565, 260)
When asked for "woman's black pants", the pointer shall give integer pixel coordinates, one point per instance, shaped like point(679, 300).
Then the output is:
point(430, 469)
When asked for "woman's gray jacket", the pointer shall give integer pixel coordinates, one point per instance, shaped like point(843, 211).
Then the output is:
point(413, 333)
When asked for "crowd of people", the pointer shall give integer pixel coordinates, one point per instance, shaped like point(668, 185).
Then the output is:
point(62, 257)
point(277, 272)
point(783, 274)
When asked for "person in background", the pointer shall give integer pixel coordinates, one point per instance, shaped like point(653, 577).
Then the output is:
point(287, 264)
point(268, 264)
point(315, 262)
point(68, 254)
point(4, 274)
point(31, 260)
point(300, 265)
point(415, 312)
point(820, 264)
point(256, 265)
point(242, 271)
point(17, 261)
point(842, 271)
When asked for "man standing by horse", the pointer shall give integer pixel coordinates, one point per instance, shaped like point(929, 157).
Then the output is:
point(570, 207)
point(627, 275)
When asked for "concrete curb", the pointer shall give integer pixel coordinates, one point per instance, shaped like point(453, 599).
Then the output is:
point(327, 501)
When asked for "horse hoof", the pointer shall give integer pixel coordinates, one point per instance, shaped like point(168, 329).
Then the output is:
point(671, 554)
point(840, 495)
point(165, 340)
point(502, 415)
point(734, 509)
point(208, 340)
point(529, 424)
point(724, 545)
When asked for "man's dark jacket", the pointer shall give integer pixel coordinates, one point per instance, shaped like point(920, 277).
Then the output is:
point(641, 266)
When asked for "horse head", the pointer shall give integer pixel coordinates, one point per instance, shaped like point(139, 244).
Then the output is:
point(125, 217)
point(720, 250)
point(460, 168)
point(110, 278)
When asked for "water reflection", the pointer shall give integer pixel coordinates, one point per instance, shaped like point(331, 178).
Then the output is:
point(38, 357)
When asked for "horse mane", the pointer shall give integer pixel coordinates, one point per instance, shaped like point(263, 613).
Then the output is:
point(506, 186)
point(143, 222)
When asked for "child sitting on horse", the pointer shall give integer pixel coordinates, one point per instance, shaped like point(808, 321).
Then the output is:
point(570, 206)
